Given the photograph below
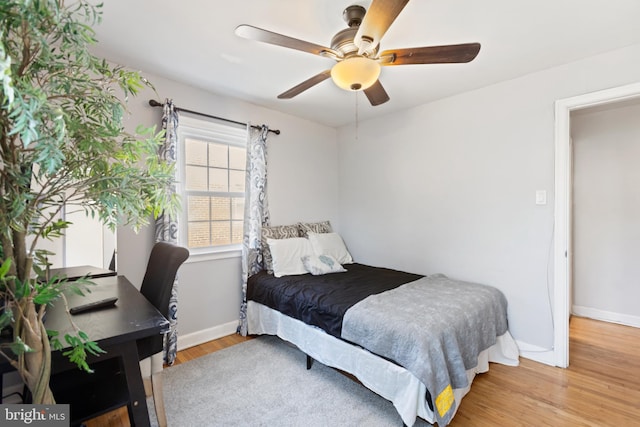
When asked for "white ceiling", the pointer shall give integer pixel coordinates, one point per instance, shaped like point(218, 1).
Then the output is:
point(193, 41)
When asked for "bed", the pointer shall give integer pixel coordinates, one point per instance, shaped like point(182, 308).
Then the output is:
point(417, 341)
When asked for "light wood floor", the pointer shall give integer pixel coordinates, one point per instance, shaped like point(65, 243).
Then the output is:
point(600, 388)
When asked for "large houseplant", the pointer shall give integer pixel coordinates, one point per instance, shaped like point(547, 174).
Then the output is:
point(62, 143)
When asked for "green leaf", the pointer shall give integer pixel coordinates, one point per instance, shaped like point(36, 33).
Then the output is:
point(80, 346)
point(54, 341)
point(56, 229)
point(22, 289)
point(93, 348)
point(18, 347)
point(4, 268)
point(5, 318)
point(78, 356)
point(47, 295)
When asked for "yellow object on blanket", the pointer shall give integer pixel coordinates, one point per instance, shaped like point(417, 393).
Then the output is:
point(444, 400)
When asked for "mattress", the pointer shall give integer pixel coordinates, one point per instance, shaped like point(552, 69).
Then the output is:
point(323, 300)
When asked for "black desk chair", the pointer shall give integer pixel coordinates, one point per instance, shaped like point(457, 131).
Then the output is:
point(164, 262)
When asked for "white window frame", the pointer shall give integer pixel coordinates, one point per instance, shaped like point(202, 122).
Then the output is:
point(208, 130)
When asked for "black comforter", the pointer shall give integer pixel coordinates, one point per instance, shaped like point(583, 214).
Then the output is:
point(323, 300)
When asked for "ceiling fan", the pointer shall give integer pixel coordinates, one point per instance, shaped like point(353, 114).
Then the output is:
point(356, 50)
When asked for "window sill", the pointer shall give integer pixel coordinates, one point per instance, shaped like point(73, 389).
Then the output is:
point(196, 256)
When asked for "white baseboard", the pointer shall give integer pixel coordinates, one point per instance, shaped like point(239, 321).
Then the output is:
point(199, 337)
point(536, 353)
point(606, 316)
point(547, 356)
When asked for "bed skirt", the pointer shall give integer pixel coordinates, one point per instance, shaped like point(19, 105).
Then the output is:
point(387, 379)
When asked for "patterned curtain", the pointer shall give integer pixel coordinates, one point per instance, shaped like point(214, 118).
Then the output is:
point(167, 227)
point(256, 212)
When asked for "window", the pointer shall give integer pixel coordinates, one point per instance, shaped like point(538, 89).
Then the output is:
point(212, 178)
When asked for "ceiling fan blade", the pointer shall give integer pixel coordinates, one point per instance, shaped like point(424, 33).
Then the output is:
point(296, 90)
point(455, 53)
point(377, 21)
point(376, 94)
point(254, 33)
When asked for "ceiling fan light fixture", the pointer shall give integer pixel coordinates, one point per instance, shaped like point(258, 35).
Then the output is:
point(355, 73)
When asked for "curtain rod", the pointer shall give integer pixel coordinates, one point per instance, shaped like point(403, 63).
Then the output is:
point(155, 103)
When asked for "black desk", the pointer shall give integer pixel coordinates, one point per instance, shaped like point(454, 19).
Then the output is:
point(116, 330)
point(74, 273)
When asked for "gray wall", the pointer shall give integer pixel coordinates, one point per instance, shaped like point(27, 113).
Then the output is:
point(606, 203)
point(450, 186)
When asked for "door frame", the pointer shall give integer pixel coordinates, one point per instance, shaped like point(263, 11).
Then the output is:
point(563, 201)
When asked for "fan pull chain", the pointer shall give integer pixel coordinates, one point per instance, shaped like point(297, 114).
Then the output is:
point(356, 98)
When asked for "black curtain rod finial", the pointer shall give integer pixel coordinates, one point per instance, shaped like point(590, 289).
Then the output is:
point(155, 103)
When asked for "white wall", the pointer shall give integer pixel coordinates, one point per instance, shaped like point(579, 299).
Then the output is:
point(85, 242)
point(606, 206)
point(450, 186)
point(302, 185)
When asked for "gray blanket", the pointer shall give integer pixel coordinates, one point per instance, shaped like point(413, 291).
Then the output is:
point(434, 327)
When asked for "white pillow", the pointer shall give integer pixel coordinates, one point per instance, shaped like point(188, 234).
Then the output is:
point(330, 244)
point(321, 264)
point(287, 255)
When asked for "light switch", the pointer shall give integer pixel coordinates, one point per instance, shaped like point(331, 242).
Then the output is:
point(541, 197)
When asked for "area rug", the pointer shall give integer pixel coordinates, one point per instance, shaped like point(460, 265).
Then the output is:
point(264, 382)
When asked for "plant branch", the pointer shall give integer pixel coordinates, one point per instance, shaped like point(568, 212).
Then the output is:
point(62, 143)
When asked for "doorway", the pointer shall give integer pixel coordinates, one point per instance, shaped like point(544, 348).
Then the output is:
point(563, 197)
